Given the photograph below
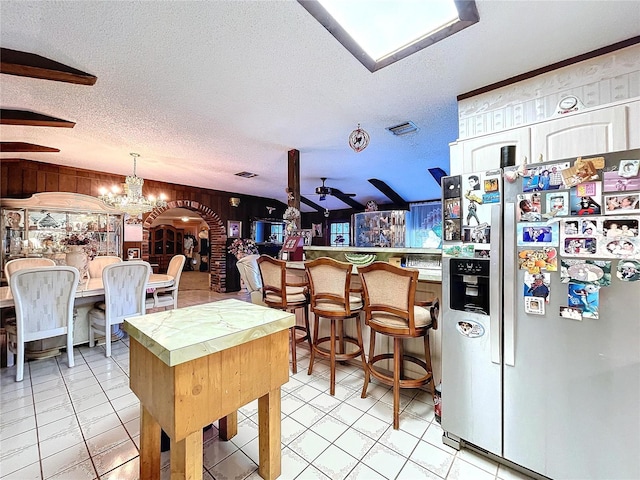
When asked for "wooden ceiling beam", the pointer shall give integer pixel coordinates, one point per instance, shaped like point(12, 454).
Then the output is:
point(32, 119)
point(24, 64)
point(346, 199)
point(390, 193)
point(25, 147)
point(311, 204)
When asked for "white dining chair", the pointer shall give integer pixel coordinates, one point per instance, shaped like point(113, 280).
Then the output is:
point(125, 288)
point(98, 263)
point(168, 296)
point(21, 263)
point(44, 299)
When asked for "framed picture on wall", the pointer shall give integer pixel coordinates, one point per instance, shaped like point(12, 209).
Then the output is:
point(234, 229)
point(133, 253)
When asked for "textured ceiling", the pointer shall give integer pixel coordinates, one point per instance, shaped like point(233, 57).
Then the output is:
point(203, 90)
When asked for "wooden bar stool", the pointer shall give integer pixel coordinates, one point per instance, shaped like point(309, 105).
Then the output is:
point(390, 309)
point(333, 299)
point(278, 293)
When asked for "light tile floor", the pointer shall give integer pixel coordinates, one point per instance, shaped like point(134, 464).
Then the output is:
point(83, 423)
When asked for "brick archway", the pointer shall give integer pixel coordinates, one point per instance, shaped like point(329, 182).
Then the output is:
point(217, 239)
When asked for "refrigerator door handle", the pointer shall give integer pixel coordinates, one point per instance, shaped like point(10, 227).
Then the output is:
point(509, 275)
point(495, 283)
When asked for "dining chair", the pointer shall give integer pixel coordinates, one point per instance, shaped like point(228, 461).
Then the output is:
point(278, 292)
point(390, 309)
point(168, 296)
point(332, 298)
point(125, 288)
point(44, 299)
point(21, 263)
point(250, 275)
point(98, 263)
point(12, 266)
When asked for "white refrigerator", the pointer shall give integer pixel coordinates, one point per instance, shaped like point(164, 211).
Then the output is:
point(541, 315)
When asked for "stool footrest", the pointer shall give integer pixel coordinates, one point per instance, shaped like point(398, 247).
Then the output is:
point(404, 382)
point(326, 352)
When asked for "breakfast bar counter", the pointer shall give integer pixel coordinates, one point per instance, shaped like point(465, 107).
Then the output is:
point(192, 366)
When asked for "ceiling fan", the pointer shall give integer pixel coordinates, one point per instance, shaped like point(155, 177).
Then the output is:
point(323, 191)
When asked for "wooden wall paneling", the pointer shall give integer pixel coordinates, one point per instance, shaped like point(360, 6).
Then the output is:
point(14, 177)
point(67, 183)
point(52, 182)
point(30, 181)
point(84, 186)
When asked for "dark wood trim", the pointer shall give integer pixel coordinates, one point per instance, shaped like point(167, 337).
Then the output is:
point(32, 119)
point(25, 147)
point(390, 193)
point(347, 199)
point(554, 66)
point(24, 64)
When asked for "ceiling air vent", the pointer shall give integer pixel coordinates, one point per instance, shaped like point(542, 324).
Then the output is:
point(246, 174)
point(403, 128)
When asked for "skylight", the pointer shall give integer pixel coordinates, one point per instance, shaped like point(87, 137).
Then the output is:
point(382, 32)
point(383, 26)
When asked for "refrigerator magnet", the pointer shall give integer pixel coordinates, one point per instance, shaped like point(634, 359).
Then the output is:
point(540, 259)
point(580, 246)
point(534, 305)
point(452, 230)
point(628, 270)
point(537, 285)
point(527, 211)
point(581, 171)
point(622, 247)
point(572, 313)
point(452, 208)
point(451, 186)
point(620, 227)
point(585, 199)
point(629, 168)
point(597, 272)
point(621, 204)
point(586, 297)
point(557, 204)
point(615, 182)
point(529, 234)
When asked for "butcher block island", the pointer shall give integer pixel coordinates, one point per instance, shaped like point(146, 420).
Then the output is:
point(192, 366)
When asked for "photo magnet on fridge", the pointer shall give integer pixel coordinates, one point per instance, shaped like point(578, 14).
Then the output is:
point(585, 296)
point(573, 313)
point(622, 227)
point(527, 208)
point(534, 305)
point(629, 168)
point(585, 199)
point(621, 204)
point(628, 270)
point(537, 285)
point(557, 204)
point(582, 171)
point(597, 272)
point(614, 182)
point(529, 234)
point(451, 187)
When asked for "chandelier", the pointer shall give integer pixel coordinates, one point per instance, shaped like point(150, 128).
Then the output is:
point(132, 201)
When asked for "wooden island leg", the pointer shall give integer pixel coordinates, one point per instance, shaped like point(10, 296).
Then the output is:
point(228, 426)
point(269, 452)
point(149, 445)
point(186, 458)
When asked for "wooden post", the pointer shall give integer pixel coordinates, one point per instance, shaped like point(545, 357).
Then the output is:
point(294, 181)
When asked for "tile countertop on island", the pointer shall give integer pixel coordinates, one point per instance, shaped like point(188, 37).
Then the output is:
point(430, 273)
point(180, 335)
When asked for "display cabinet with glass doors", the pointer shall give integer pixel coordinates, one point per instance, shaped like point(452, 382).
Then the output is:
point(43, 225)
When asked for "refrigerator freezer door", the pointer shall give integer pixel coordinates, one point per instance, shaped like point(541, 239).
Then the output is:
point(471, 382)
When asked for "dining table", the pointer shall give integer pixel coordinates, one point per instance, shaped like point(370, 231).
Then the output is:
point(92, 288)
point(89, 292)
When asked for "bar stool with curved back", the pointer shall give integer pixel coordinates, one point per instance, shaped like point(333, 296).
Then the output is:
point(390, 309)
point(332, 298)
point(44, 299)
point(125, 288)
point(168, 296)
point(98, 263)
point(278, 293)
